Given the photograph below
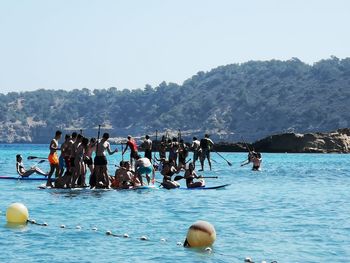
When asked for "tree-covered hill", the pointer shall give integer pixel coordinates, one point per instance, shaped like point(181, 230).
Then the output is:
point(252, 99)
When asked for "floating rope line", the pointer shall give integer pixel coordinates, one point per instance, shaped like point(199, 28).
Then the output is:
point(208, 250)
point(108, 232)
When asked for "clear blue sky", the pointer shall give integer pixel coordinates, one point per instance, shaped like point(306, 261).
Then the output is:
point(69, 44)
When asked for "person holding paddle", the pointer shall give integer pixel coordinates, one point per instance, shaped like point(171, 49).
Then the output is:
point(26, 173)
point(190, 175)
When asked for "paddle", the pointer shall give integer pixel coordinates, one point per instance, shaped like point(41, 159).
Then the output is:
point(246, 145)
point(154, 180)
point(155, 148)
point(35, 157)
point(41, 161)
point(122, 152)
point(229, 163)
point(179, 177)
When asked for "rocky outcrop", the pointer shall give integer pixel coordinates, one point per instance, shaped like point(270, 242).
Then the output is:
point(332, 142)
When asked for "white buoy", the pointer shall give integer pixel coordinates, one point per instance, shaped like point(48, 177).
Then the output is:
point(94, 229)
point(108, 233)
point(200, 234)
point(143, 238)
point(62, 226)
point(163, 239)
point(17, 213)
point(126, 235)
point(78, 227)
point(208, 250)
point(45, 224)
point(179, 243)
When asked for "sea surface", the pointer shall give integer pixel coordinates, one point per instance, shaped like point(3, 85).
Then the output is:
point(297, 209)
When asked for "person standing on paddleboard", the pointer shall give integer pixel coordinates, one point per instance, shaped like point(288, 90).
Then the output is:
point(196, 148)
point(147, 145)
point(174, 150)
point(101, 161)
point(162, 148)
point(53, 158)
point(183, 153)
point(133, 150)
point(206, 145)
point(61, 159)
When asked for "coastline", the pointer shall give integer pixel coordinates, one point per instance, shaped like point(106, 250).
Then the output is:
point(319, 142)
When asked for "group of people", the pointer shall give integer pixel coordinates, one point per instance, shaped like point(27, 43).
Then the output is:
point(76, 158)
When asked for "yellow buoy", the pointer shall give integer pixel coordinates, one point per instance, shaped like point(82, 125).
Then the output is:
point(17, 213)
point(200, 234)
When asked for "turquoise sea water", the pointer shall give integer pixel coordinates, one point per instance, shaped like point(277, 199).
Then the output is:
point(296, 210)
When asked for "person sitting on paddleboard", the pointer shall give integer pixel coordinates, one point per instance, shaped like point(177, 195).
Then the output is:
point(144, 166)
point(190, 175)
point(168, 170)
point(124, 178)
point(26, 173)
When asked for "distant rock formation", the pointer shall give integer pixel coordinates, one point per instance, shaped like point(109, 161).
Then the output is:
point(333, 142)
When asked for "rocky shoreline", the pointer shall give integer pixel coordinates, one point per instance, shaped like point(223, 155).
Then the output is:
point(327, 142)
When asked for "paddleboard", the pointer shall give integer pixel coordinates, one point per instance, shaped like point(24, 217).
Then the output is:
point(204, 187)
point(43, 186)
point(144, 187)
point(25, 178)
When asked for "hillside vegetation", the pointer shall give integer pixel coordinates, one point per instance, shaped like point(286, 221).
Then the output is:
point(253, 99)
